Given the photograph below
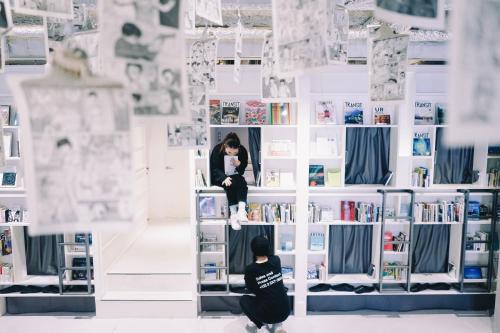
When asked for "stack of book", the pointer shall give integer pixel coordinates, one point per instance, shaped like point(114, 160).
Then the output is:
point(200, 179)
point(393, 273)
point(272, 212)
point(493, 178)
point(443, 211)
point(6, 242)
point(320, 214)
point(420, 177)
point(13, 215)
point(317, 176)
point(212, 274)
point(360, 212)
point(6, 272)
point(478, 236)
point(280, 113)
point(316, 241)
point(279, 178)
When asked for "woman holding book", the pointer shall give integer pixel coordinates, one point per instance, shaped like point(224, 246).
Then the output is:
point(228, 162)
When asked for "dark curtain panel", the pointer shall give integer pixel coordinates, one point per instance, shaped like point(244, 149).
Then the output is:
point(254, 149)
point(367, 155)
point(350, 249)
point(453, 165)
point(240, 253)
point(430, 248)
point(41, 254)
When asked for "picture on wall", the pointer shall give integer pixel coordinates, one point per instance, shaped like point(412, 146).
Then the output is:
point(52, 8)
point(210, 10)
point(89, 42)
point(274, 86)
point(202, 61)
point(5, 16)
point(302, 45)
point(475, 88)
point(79, 170)
point(145, 50)
point(84, 19)
point(21, 47)
point(387, 63)
point(337, 40)
point(427, 14)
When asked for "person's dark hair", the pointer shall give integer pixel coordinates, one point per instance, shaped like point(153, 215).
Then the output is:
point(130, 29)
point(260, 246)
point(231, 140)
point(63, 142)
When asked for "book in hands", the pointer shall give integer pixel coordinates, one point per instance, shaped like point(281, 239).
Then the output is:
point(229, 167)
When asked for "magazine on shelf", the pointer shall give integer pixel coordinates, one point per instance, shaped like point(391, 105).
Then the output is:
point(353, 112)
point(207, 207)
point(273, 178)
point(325, 113)
point(316, 241)
point(229, 167)
point(5, 111)
point(421, 144)
point(382, 115)
point(316, 175)
point(441, 109)
point(254, 212)
point(255, 112)
point(424, 113)
point(215, 111)
point(333, 178)
point(280, 113)
point(230, 113)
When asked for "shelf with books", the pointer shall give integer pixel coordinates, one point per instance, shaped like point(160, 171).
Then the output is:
point(212, 253)
point(429, 223)
point(479, 222)
point(325, 157)
point(395, 253)
point(475, 252)
point(339, 222)
point(317, 253)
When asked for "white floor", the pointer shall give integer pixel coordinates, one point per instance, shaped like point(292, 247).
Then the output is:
point(407, 323)
point(160, 249)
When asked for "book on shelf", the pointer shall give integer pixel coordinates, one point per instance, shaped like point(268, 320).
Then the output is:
point(333, 178)
point(424, 113)
point(325, 113)
point(81, 274)
point(280, 113)
point(477, 236)
point(207, 207)
point(286, 242)
point(6, 242)
point(364, 212)
point(421, 144)
point(382, 115)
point(230, 113)
point(353, 112)
point(441, 211)
point(327, 146)
point(392, 271)
point(200, 180)
point(229, 165)
point(212, 274)
point(400, 246)
point(208, 237)
point(9, 179)
point(316, 241)
point(272, 212)
point(273, 178)
point(5, 111)
point(79, 238)
point(215, 111)
point(441, 113)
point(7, 144)
point(254, 212)
point(255, 112)
point(420, 177)
point(493, 178)
point(281, 147)
point(6, 272)
point(13, 214)
point(474, 210)
point(287, 272)
point(316, 175)
point(312, 272)
point(347, 210)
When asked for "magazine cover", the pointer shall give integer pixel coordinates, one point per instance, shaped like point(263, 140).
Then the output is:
point(230, 113)
point(424, 113)
point(353, 112)
point(280, 113)
point(207, 207)
point(254, 212)
point(273, 178)
point(316, 175)
point(255, 112)
point(325, 113)
point(215, 112)
point(382, 115)
point(421, 144)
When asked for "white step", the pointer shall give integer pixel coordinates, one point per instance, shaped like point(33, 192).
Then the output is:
point(147, 296)
point(148, 282)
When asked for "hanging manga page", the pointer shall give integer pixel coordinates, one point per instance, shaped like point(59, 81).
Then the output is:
point(302, 45)
point(78, 154)
point(337, 40)
point(474, 83)
point(202, 61)
point(238, 51)
point(52, 8)
point(275, 87)
point(84, 19)
point(210, 10)
point(190, 15)
point(426, 14)
point(5, 16)
point(387, 62)
point(142, 44)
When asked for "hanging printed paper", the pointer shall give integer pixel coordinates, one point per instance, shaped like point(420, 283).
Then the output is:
point(238, 51)
point(16, 40)
point(427, 14)
point(142, 45)
point(190, 15)
point(89, 42)
point(274, 86)
point(475, 88)
point(210, 10)
point(337, 34)
point(202, 61)
point(5, 16)
point(78, 154)
point(300, 28)
point(53, 8)
point(387, 67)
point(84, 19)
point(2, 148)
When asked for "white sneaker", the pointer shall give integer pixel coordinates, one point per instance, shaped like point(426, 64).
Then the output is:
point(235, 223)
point(275, 328)
point(242, 216)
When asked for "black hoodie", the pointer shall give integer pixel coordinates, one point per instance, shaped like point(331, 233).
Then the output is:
point(217, 174)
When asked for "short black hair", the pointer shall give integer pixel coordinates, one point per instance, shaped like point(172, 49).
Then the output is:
point(260, 246)
point(63, 142)
point(130, 29)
